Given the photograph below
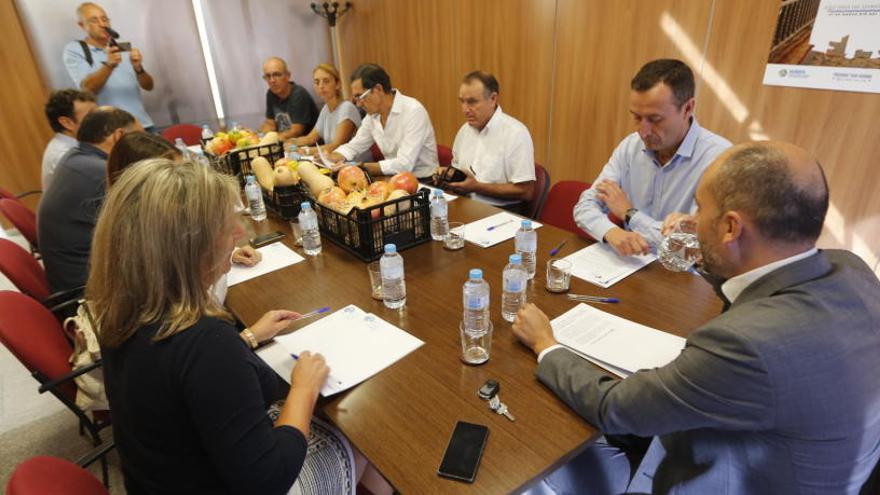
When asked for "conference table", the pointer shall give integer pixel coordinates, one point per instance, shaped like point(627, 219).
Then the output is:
point(402, 418)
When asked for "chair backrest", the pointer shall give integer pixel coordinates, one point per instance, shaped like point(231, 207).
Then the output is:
point(45, 474)
point(6, 194)
point(35, 338)
point(191, 134)
point(22, 270)
point(539, 196)
point(444, 155)
point(22, 218)
point(559, 208)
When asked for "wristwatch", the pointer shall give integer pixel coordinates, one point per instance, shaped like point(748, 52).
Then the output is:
point(630, 213)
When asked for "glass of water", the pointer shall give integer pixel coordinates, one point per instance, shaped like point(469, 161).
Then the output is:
point(454, 237)
point(558, 275)
point(475, 346)
point(680, 249)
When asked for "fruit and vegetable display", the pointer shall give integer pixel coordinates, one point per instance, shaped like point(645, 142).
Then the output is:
point(241, 138)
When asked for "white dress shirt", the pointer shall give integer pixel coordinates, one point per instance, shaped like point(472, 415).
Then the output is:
point(734, 286)
point(500, 153)
point(57, 147)
point(407, 140)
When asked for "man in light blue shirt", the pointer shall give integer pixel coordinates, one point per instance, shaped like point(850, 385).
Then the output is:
point(98, 64)
point(654, 171)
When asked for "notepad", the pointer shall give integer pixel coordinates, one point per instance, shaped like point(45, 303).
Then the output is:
point(600, 265)
point(494, 229)
point(356, 345)
point(275, 257)
point(614, 343)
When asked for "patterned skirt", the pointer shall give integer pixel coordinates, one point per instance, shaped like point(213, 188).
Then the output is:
point(329, 466)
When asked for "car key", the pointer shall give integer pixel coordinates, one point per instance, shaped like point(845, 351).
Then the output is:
point(489, 389)
point(499, 407)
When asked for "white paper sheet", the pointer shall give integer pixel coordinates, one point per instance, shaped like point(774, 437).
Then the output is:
point(275, 257)
point(503, 227)
point(600, 265)
point(356, 345)
point(617, 344)
point(431, 189)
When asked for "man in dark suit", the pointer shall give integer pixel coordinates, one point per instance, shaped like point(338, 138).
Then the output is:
point(778, 394)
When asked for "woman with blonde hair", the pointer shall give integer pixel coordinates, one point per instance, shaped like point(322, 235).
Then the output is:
point(339, 119)
point(188, 395)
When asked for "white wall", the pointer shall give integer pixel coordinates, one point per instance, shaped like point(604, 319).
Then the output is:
point(242, 34)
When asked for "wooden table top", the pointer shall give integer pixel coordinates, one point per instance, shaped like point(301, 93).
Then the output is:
point(402, 418)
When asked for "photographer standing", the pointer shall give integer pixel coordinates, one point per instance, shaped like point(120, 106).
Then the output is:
point(100, 64)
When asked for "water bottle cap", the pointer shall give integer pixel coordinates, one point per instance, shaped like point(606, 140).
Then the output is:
point(305, 205)
point(250, 179)
point(476, 274)
point(438, 192)
point(527, 224)
point(515, 259)
point(204, 126)
point(178, 141)
point(390, 248)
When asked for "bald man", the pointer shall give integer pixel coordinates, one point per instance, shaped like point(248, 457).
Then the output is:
point(289, 109)
point(778, 394)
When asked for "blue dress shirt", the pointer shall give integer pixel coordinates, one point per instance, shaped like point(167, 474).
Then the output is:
point(656, 190)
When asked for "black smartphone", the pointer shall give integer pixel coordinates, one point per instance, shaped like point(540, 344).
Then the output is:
point(262, 240)
point(124, 46)
point(462, 457)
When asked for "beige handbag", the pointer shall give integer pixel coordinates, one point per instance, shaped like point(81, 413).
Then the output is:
point(90, 394)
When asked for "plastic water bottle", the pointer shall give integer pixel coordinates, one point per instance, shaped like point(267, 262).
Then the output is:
point(255, 199)
point(207, 133)
point(393, 284)
point(293, 153)
point(439, 216)
point(527, 246)
point(185, 153)
point(475, 295)
point(311, 234)
point(515, 278)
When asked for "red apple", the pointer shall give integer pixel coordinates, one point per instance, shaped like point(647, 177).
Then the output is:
point(351, 178)
point(379, 190)
point(331, 195)
point(406, 181)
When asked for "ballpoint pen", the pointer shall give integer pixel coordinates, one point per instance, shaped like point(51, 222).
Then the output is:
point(493, 227)
point(313, 313)
point(555, 251)
point(594, 299)
point(329, 377)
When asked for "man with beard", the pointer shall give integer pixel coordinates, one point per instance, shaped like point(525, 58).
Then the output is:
point(775, 395)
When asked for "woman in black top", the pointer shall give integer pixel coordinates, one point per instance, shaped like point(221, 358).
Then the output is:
point(188, 396)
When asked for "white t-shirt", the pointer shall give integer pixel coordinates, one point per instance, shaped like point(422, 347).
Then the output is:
point(328, 121)
point(500, 153)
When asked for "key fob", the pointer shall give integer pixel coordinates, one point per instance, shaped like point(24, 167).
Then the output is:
point(489, 389)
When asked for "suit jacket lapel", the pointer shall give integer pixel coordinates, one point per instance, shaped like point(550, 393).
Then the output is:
point(789, 275)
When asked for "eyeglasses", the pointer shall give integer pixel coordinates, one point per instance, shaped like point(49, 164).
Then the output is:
point(98, 20)
point(273, 75)
point(363, 95)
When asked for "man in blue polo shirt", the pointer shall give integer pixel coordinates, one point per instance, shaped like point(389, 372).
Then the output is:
point(69, 207)
point(98, 64)
point(654, 171)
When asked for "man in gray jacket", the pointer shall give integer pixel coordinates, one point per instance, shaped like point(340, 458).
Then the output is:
point(778, 394)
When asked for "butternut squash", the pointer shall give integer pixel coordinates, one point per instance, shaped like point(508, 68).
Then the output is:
point(314, 179)
point(263, 170)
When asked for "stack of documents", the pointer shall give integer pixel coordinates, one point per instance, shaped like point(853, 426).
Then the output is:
point(614, 343)
point(494, 229)
point(275, 257)
point(600, 265)
point(356, 345)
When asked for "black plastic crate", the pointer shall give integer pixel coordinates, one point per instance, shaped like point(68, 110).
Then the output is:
point(365, 237)
point(285, 201)
point(239, 161)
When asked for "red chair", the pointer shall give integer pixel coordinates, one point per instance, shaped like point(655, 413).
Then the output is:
point(23, 270)
point(22, 218)
point(6, 194)
point(36, 339)
point(191, 134)
point(539, 194)
point(43, 474)
point(444, 155)
point(559, 208)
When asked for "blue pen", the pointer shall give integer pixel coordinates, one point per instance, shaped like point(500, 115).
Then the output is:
point(593, 299)
point(555, 251)
point(313, 313)
point(329, 377)
point(493, 227)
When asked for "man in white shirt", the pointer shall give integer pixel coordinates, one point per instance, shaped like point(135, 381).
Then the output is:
point(65, 109)
point(492, 149)
point(397, 123)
